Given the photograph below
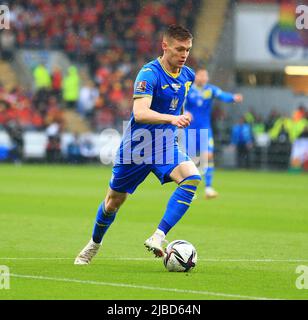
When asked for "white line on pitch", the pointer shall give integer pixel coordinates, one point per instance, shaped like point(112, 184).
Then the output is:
point(132, 286)
point(151, 259)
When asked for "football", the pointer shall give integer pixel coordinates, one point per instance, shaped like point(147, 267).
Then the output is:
point(181, 256)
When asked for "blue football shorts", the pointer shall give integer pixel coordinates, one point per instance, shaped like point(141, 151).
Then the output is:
point(127, 177)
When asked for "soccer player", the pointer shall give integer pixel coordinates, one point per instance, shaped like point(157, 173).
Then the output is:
point(199, 104)
point(149, 143)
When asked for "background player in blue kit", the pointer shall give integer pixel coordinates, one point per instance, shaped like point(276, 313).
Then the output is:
point(149, 143)
point(199, 104)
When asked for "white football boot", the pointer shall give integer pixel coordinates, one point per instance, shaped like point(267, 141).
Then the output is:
point(210, 193)
point(87, 253)
point(155, 244)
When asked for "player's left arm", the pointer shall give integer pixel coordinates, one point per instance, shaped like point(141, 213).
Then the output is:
point(227, 97)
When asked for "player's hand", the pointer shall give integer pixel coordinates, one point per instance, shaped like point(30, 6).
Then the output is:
point(238, 98)
point(181, 121)
point(189, 115)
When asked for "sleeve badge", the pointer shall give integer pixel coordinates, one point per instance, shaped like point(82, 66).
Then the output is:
point(141, 86)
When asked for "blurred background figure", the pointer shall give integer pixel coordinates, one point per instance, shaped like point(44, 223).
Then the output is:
point(87, 98)
point(42, 77)
point(70, 87)
point(242, 139)
point(87, 150)
point(199, 104)
point(15, 133)
point(7, 44)
point(73, 151)
point(56, 82)
point(53, 148)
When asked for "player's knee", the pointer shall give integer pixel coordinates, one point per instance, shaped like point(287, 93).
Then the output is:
point(112, 206)
point(113, 203)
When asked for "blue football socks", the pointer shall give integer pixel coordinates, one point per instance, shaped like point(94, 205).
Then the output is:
point(179, 202)
point(102, 223)
point(208, 174)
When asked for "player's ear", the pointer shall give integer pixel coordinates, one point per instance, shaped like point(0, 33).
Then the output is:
point(164, 45)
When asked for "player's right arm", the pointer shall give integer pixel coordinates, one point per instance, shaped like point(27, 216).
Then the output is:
point(144, 114)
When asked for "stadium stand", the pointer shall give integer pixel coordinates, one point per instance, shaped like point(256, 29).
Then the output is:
point(209, 24)
point(113, 39)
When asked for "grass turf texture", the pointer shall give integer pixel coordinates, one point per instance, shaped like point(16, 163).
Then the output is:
point(48, 212)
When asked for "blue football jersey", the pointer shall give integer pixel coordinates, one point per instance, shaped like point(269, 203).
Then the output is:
point(168, 92)
point(199, 103)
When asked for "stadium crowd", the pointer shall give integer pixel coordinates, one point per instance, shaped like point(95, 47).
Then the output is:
point(114, 38)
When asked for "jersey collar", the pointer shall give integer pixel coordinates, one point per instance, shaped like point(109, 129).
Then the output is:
point(173, 75)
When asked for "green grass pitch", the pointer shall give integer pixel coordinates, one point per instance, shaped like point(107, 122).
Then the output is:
point(249, 240)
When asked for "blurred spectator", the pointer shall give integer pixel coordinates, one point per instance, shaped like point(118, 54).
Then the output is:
point(53, 130)
point(71, 87)
point(4, 106)
point(298, 126)
point(87, 150)
point(271, 119)
point(221, 126)
point(87, 98)
point(299, 113)
point(57, 82)
point(250, 116)
point(15, 133)
point(103, 72)
point(54, 114)
point(28, 118)
point(53, 148)
point(242, 138)
point(258, 126)
point(73, 151)
point(116, 94)
point(7, 44)
point(280, 147)
point(281, 130)
point(299, 154)
point(42, 79)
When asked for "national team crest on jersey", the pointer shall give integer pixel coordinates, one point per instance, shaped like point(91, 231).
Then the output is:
point(174, 104)
point(141, 86)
